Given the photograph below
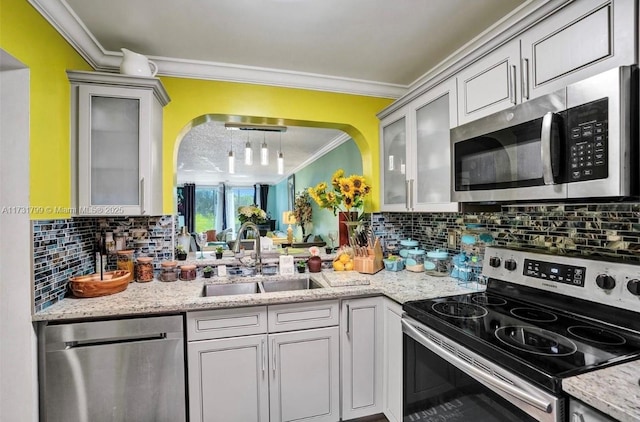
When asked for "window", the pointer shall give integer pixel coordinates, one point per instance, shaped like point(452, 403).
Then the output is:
point(209, 207)
point(206, 206)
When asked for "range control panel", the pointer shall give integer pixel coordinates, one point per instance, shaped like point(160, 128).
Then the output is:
point(558, 273)
point(612, 283)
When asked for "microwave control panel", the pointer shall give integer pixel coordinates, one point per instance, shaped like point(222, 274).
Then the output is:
point(587, 141)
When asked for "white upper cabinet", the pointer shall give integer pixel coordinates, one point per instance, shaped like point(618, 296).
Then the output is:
point(490, 84)
point(415, 152)
point(580, 40)
point(116, 151)
point(393, 151)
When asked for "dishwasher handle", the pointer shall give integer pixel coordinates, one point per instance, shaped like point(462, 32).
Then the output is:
point(115, 340)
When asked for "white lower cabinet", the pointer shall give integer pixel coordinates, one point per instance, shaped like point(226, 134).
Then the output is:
point(392, 368)
point(228, 379)
point(305, 375)
point(264, 377)
point(362, 348)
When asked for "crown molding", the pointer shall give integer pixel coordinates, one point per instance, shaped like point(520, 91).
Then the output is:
point(68, 24)
point(503, 31)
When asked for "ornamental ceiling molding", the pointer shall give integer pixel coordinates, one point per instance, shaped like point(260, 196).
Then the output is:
point(69, 25)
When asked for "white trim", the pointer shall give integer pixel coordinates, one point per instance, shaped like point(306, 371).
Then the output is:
point(506, 29)
point(69, 25)
point(18, 349)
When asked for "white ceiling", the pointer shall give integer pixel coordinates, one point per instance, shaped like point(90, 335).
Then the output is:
point(367, 47)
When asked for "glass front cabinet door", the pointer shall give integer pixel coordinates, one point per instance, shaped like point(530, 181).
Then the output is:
point(393, 161)
point(117, 151)
point(415, 152)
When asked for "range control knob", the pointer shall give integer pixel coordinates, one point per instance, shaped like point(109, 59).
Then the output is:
point(510, 264)
point(634, 287)
point(494, 261)
point(605, 282)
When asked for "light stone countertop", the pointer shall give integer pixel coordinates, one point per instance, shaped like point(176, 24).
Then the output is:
point(158, 297)
point(614, 391)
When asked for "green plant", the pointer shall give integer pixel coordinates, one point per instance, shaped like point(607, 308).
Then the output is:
point(180, 249)
point(301, 264)
point(219, 249)
point(207, 269)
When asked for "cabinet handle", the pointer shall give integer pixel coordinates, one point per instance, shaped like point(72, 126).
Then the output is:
point(273, 351)
point(411, 194)
point(512, 85)
point(348, 319)
point(525, 79)
point(142, 210)
point(263, 356)
point(406, 194)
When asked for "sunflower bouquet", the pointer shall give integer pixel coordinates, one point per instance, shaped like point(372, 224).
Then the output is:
point(345, 193)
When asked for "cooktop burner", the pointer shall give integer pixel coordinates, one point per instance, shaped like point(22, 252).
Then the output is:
point(459, 310)
point(597, 335)
point(543, 317)
point(531, 314)
point(488, 300)
point(536, 340)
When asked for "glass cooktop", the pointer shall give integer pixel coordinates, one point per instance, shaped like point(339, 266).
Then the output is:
point(533, 341)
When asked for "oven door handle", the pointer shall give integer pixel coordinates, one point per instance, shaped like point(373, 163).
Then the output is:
point(507, 388)
point(549, 148)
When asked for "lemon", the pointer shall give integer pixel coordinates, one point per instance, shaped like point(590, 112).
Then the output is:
point(348, 266)
point(344, 258)
point(338, 266)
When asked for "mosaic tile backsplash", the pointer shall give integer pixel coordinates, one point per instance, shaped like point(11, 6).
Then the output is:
point(609, 230)
point(64, 248)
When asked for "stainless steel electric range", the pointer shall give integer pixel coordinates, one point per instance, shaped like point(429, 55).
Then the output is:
point(501, 355)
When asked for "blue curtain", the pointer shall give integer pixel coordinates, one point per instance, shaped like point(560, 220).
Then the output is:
point(189, 206)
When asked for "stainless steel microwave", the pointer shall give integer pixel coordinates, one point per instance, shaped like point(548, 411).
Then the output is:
point(578, 142)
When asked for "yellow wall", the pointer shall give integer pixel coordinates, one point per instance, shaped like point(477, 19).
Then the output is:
point(192, 98)
point(29, 38)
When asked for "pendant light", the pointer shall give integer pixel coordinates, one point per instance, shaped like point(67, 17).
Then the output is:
point(280, 158)
point(248, 153)
point(264, 152)
point(232, 158)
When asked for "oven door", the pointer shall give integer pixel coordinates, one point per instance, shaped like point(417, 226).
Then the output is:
point(445, 381)
point(512, 155)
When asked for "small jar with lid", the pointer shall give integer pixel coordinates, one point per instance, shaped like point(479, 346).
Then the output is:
point(406, 245)
point(125, 262)
point(437, 263)
point(169, 271)
point(415, 260)
point(144, 269)
point(188, 272)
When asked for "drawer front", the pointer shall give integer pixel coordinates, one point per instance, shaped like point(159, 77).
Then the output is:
point(220, 323)
point(300, 316)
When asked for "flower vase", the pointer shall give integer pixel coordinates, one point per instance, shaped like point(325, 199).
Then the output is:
point(347, 224)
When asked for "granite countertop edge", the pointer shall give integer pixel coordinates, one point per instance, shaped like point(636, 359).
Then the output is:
point(614, 391)
point(157, 297)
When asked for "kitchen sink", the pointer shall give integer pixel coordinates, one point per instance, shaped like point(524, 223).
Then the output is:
point(279, 285)
point(289, 284)
point(230, 289)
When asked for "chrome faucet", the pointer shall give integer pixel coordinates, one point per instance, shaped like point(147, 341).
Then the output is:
point(236, 246)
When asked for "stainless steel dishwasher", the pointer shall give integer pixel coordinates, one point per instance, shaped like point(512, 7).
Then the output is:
point(118, 371)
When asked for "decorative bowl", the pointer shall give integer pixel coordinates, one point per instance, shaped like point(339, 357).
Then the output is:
point(91, 285)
